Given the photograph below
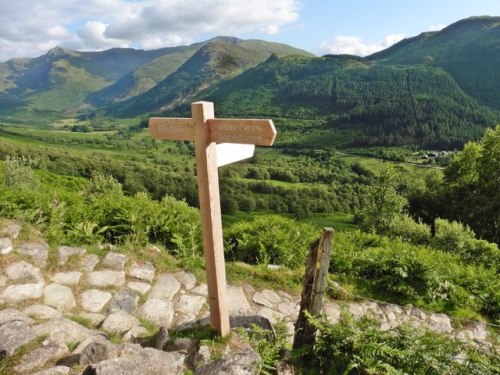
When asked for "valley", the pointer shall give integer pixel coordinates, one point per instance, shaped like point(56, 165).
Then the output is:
point(398, 151)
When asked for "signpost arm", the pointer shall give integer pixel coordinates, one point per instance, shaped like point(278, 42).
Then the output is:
point(208, 190)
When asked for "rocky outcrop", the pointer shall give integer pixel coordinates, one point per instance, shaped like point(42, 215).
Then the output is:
point(69, 316)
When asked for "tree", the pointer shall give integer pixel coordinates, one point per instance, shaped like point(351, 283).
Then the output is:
point(384, 202)
point(472, 184)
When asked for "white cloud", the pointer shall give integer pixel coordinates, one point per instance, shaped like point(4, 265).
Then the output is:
point(352, 45)
point(27, 27)
point(437, 27)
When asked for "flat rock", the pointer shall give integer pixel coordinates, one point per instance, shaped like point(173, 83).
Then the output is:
point(267, 298)
point(12, 315)
point(94, 300)
point(158, 311)
point(124, 300)
point(23, 272)
point(475, 331)
point(3, 281)
point(144, 361)
point(42, 312)
point(67, 278)
point(39, 252)
point(12, 231)
point(13, 335)
point(135, 334)
point(418, 313)
point(240, 363)
point(440, 323)
point(58, 370)
point(272, 315)
point(95, 349)
point(144, 272)
point(165, 288)
point(5, 246)
point(93, 318)
point(63, 331)
point(140, 287)
point(236, 300)
point(115, 261)
point(65, 252)
point(189, 304)
point(186, 278)
point(21, 292)
point(120, 322)
point(106, 278)
point(289, 309)
point(59, 296)
point(201, 289)
point(40, 356)
point(89, 262)
point(332, 312)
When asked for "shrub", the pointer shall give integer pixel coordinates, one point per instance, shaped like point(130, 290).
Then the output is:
point(361, 347)
point(451, 236)
point(18, 173)
point(409, 230)
point(270, 239)
point(103, 184)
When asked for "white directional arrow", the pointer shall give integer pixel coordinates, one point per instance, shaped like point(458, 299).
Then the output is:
point(228, 153)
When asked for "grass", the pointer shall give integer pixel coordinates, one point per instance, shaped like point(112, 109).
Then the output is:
point(7, 364)
point(337, 220)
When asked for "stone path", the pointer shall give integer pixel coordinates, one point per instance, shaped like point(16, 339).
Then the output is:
point(75, 311)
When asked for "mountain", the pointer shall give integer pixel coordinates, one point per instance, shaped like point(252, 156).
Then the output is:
point(437, 89)
point(388, 105)
point(143, 78)
point(212, 63)
point(469, 50)
point(64, 79)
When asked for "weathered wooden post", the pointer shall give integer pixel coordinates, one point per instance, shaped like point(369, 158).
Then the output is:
point(314, 284)
point(208, 133)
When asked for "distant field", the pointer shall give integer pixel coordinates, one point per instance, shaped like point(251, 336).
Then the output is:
point(337, 220)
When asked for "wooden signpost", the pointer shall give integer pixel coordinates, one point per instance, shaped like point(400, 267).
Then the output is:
point(217, 142)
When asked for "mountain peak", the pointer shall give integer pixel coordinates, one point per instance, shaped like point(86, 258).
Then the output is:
point(57, 52)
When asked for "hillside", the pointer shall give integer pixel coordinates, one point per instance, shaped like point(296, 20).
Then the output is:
point(215, 61)
point(438, 89)
point(469, 50)
point(388, 105)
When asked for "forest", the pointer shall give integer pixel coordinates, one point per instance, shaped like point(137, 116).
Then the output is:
point(406, 244)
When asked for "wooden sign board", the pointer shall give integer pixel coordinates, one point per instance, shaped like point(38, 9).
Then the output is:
point(217, 142)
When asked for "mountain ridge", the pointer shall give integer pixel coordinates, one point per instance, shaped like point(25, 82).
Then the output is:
point(284, 82)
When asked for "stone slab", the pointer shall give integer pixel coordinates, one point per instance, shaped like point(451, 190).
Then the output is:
point(106, 278)
point(59, 296)
point(67, 278)
point(22, 292)
point(165, 288)
point(94, 300)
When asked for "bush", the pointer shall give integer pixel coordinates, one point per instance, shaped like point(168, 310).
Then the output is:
point(361, 347)
point(18, 173)
point(451, 236)
point(270, 239)
point(409, 230)
point(456, 238)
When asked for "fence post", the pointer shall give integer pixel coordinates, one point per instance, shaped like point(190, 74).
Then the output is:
point(313, 289)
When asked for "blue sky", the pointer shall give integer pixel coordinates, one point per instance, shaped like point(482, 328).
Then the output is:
point(372, 21)
point(29, 28)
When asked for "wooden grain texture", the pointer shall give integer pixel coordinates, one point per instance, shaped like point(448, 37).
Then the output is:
point(208, 190)
point(313, 289)
point(179, 129)
point(252, 132)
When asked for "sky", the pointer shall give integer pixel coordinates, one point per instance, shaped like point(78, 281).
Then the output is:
point(29, 28)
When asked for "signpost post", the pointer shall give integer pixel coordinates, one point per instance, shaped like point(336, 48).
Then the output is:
point(217, 142)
